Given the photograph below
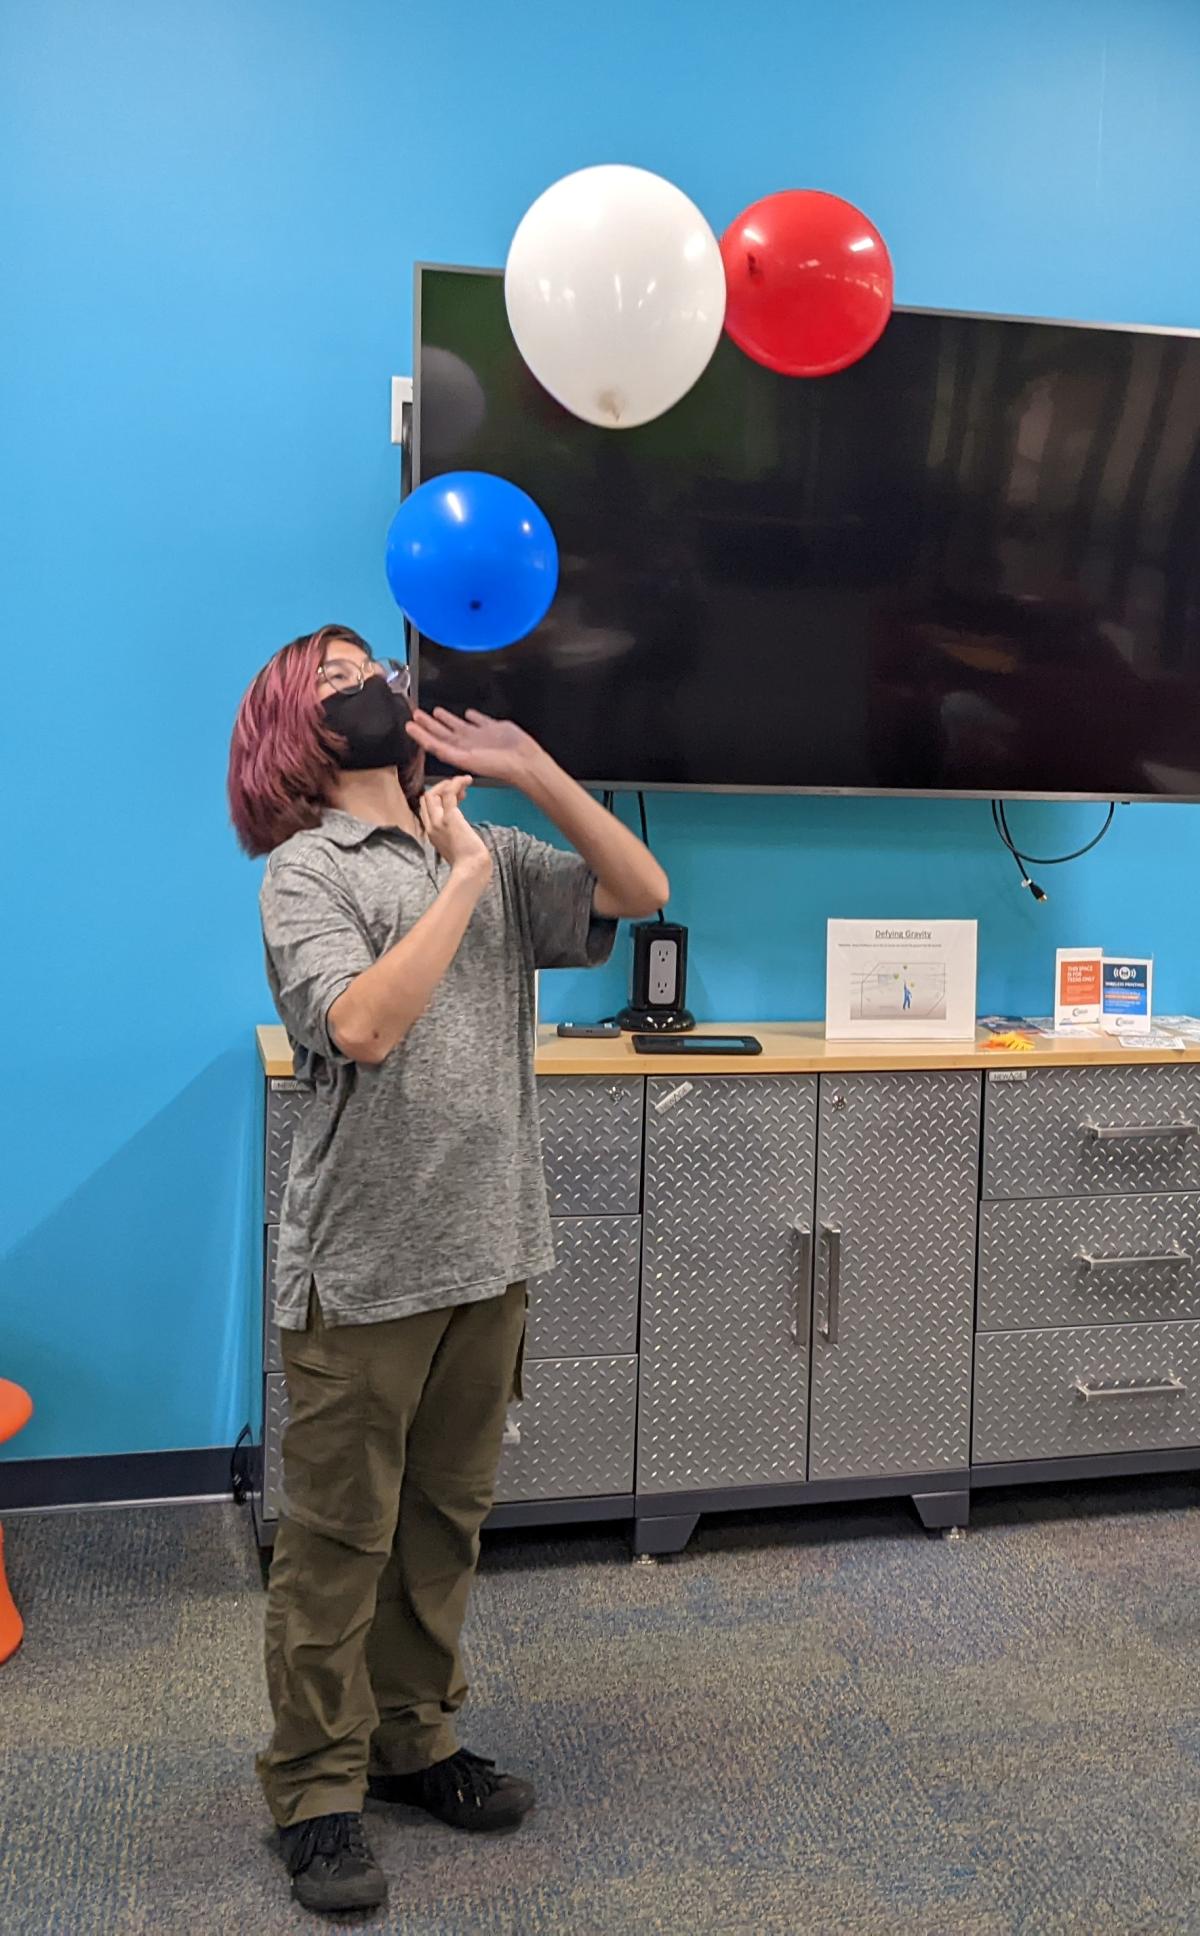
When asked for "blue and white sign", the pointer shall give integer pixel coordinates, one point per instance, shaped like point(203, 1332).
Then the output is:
point(1125, 994)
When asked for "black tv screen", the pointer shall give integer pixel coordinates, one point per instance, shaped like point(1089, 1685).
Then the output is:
point(969, 564)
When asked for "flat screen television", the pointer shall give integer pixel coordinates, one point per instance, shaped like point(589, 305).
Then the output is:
point(970, 564)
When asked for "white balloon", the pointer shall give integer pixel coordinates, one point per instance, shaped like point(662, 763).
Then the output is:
point(616, 294)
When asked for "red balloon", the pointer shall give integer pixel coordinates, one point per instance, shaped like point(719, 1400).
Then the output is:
point(809, 281)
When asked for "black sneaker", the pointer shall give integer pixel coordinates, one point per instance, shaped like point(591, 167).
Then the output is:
point(465, 1791)
point(331, 1865)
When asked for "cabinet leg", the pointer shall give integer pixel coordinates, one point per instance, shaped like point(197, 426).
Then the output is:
point(663, 1535)
point(939, 1510)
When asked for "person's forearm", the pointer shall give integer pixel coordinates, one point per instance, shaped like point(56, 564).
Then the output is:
point(629, 881)
point(371, 1017)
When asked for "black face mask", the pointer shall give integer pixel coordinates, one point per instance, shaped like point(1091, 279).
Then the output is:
point(372, 722)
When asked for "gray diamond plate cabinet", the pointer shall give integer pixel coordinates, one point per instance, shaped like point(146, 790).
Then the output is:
point(284, 1101)
point(786, 1288)
point(569, 1447)
point(726, 1282)
point(1087, 1353)
point(897, 1189)
point(789, 1219)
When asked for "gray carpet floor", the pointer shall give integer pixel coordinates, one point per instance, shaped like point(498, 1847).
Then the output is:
point(822, 1722)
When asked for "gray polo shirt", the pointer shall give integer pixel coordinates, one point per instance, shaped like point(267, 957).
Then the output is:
point(418, 1183)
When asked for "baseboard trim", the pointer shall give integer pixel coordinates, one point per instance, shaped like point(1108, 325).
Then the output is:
point(120, 1478)
point(1087, 1465)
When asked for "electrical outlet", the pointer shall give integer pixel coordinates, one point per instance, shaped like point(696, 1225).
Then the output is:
point(664, 972)
point(402, 393)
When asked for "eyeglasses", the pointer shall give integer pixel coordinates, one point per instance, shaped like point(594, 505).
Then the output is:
point(351, 675)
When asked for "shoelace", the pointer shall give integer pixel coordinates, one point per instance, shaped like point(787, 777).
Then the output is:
point(466, 1776)
point(328, 1836)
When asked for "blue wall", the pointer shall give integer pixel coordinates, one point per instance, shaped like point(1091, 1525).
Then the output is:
point(210, 216)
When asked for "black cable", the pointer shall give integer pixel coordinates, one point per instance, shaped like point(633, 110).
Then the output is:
point(1025, 861)
point(641, 799)
point(1057, 860)
point(239, 1467)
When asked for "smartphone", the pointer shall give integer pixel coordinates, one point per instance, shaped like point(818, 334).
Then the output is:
point(590, 1031)
point(697, 1045)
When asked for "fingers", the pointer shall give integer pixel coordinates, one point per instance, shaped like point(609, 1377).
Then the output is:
point(456, 787)
point(451, 721)
point(433, 812)
point(448, 721)
point(430, 726)
point(440, 807)
point(434, 739)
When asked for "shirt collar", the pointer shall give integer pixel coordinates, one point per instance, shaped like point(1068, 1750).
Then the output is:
point(346, 830)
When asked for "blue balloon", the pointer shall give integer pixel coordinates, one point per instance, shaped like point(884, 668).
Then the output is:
point(472, 561)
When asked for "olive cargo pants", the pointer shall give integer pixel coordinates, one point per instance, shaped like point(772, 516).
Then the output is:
point(389, 1465)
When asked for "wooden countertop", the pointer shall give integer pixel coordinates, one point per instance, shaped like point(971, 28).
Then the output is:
point(792, 1048)
point(273, 1050)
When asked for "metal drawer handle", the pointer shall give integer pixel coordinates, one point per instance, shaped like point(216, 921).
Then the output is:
point(1171, 1389)
point(1124, 1132)
point(804, 1244)
point(831, 1236)
point(1089, 1260)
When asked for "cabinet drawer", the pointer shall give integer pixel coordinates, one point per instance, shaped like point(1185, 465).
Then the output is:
point(286, 1102)
point(586, 1307)
point(592, 1143)
point(275, 1416)
point(1113, 1131)
point(1091, 1389)
point(1088, 1260)
point(575, 1429)
point(272, 1357)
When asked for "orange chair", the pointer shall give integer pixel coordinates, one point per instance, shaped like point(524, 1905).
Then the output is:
point(16, 1410)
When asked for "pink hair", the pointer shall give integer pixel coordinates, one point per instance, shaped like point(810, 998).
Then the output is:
point(282, 758)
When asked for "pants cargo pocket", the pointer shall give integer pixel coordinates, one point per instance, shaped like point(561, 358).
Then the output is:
point(330, 1480)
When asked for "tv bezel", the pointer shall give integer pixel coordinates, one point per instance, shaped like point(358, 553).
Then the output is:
point(814, 792)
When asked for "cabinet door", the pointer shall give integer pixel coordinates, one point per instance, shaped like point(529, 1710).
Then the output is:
point(287, 1100)
point(592, 1144)
point(587, 1306)
point(726, 1274)
point(897, 1188)
point(572, 1436)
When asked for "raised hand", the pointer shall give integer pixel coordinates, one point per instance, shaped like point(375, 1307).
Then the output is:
point(492, 749)
point(447, 828)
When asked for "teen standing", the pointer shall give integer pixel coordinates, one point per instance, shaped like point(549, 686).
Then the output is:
point(401, 943)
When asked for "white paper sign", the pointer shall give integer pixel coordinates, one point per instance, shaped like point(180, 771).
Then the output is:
point(900, 981)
